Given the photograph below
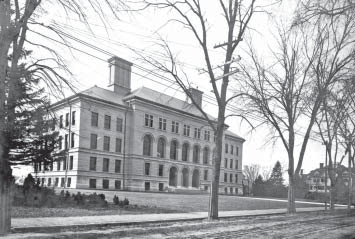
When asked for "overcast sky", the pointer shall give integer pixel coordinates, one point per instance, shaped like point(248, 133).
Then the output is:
point(139, 32)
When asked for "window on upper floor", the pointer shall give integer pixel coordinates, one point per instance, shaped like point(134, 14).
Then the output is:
point(147, 168)
point(174, 127)
point(118, 148)
point(173, 149)
point(232, 149)
point(94, 119)
point(237, 150)
point(225, 163)
point(60, 142)
point(207, 135)
point(73, 118)
point(107, 123)
point(231, 178)
point(205, 175)
point(66, 143)
point(206, 155)
point(161, 170)
point(186, 130)
point(148, 120)
point(105, 164)
point(236, 178)
point(231, 163)
point(71, 162)
point(185, 152)
point(147, 145)
point(119, 124)
point(226, 148)
point(92, 163)
point(236, 164)
point(93, 141)
point(197, 133)
point(161, 148)
point(61, 121)
point(117, 166)
point(225, 177)
point(162, 123)
point(72, 140)
point(106, 143)
point(196, 154)
point(66, 119)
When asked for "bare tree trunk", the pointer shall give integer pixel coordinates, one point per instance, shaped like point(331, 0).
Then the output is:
point(291, 207)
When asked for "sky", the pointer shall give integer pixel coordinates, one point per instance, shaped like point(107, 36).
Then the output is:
point(137, 34)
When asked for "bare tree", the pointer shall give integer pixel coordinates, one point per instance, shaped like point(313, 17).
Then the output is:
point(289, 92)
point(251, 172)
point(15, 19)
point(193, 15)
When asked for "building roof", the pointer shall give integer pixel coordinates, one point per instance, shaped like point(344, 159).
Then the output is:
point(104, 94)
point(160, 98)
point(230, 133)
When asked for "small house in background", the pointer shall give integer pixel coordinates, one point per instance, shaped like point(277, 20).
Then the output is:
point(138, 140)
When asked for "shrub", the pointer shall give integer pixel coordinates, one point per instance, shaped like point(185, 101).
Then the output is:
point(116, 200)
point(121, 203)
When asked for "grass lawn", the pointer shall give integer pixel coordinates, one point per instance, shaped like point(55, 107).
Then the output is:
point(142, 202)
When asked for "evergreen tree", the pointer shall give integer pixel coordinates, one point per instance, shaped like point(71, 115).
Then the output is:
point(276, 177)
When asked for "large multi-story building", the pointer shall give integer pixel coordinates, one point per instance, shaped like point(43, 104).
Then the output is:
point(141, 140)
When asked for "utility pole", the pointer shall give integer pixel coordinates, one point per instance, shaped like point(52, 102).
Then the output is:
point(350, 180)
point(326, 174)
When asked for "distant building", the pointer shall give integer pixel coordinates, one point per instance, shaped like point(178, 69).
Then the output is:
point(141, 140)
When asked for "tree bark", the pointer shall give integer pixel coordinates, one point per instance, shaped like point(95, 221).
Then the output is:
point(291, 207)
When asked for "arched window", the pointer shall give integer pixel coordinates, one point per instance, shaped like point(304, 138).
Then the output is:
point(147, 145)
point(196, 179)
point(173, 149)
point(185, 152)
point(173, 177)
point(196, 154)
point(206, 154)
point(161, 148)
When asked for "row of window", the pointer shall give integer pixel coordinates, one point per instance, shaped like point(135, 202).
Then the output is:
point(48, 182)
point(230, 178)
point(231, 190)
point(67, 115)
point(105, 165)
point(62, 164)
point(231, 149)
point(105, 183)
point(106, 143)
point(66, 141)
point(107, 121)
point(231, 162)
point(162, 125)
point(161, 149)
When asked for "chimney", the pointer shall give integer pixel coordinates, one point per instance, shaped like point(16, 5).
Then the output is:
point(321, 165)
point(196, 95)
point(120, 75)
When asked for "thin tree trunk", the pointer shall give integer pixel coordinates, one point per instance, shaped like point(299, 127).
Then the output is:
point(291, 207)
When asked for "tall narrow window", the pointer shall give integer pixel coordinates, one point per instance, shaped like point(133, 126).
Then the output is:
point(58, 165)
point(117, 166)
point(161, 148)
point(147, 168)
point(66, 145)
point(161, 169)
point(106, 143)
point(237, 150)
point(93, 141)
point(197, 133)
point(207, 135)
point(118, 145)
point(226, 148)
point(196, 154)
point(231, 163)
point(225, 163)
point(68, 182)
point(65, 163)
point(66, 119)
point(147, 145)
point(231, 178)
point(105, 164)
point(232, 149)
point(119, 123)
point(236, 164)
point(92, 183)
point(93, 163)
point(107, 123)
point(162, 124)
point(206, 154)
point(105, 183)
point(71, 161)
point(72, 140)
point(148, 120)
point(94, 119)
point(185, 152)
point(173, 149)
point(236, 178)
point(174, 127)
point(73, 118)
point(186, 130)
point(60, 142)
point(225, 177)
point(205, 175)
point(61, 121)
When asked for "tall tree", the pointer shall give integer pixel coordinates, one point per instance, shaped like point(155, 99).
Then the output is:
point(289, 92)
point(192, 15)
point(276, 177)
point(15, 19)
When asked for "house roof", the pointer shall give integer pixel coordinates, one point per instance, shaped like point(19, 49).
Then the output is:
point(104, 94)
